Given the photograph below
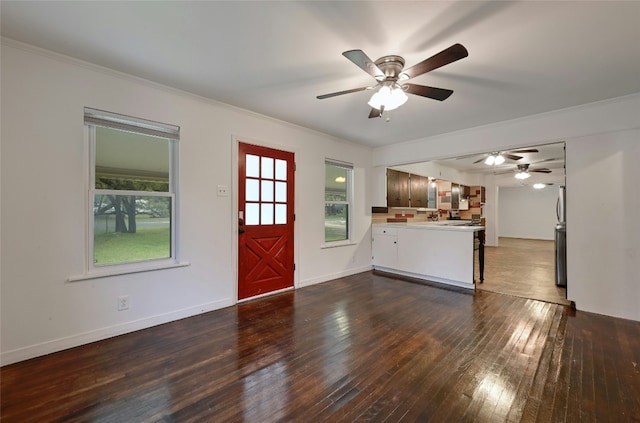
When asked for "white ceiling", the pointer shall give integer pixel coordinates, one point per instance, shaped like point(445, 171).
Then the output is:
point(549, 156)
point(274, 58)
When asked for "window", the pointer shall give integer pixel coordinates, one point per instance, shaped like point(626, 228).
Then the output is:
point(133, 181)
point(337, 201)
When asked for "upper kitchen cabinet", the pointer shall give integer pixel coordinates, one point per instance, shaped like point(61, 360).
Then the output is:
point(419, 188)
point(455, 196)
point(397, 189)
point(465, 191)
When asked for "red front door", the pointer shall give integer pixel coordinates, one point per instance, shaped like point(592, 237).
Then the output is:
point(265, 220)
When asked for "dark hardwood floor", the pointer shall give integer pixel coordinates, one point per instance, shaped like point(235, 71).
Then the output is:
point(369, 347)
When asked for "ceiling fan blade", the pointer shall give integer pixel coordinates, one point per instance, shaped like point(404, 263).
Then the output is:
point(355, 90)
point(364, 62)
point(446, 56)
point(425, 91)
point(512, 156)
point(374, 113)
point(478, 161)
point(525, 150)
point(541, 170)
point(552, 159)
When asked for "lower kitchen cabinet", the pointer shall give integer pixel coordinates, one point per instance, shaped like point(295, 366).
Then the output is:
point(384, 247)
point(429, 251)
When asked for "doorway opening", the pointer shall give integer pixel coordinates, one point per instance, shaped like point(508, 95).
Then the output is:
point(517, 262)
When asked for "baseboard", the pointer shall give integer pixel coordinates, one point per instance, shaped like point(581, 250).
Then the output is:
point(37, 350)
point(333, 276)
point(428, 278)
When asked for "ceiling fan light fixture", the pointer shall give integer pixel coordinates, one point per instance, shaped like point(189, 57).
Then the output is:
point(499, 160)
point(539, 185)
point(490, 160)
point(391, 97)
point(522, 175)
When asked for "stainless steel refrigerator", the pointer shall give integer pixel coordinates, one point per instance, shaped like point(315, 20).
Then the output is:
point(561, 239)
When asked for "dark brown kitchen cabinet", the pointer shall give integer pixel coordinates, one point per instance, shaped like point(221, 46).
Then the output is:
point(397, 188)
point(455, 196)
point(465, 191)
point(419, 187)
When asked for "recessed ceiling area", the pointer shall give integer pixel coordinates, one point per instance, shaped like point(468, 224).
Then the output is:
point(549, 157)
point(274, 58)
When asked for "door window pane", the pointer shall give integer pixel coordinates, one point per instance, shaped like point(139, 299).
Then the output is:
point(281, 192)
point(266, 217)
point(252, 214)
point(252, 190)
point(281, 214)
point(252, 165)
point(281, 170)
point(267, 167)
point(267, 191)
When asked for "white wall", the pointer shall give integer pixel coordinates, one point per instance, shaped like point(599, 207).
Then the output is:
point(603, 237)
point(524, 212)
point(44, 197)
point(603, 223)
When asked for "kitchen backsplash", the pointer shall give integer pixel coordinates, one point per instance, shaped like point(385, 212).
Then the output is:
point(384, 215)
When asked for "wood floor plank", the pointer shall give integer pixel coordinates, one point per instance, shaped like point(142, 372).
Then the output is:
point(368, 347)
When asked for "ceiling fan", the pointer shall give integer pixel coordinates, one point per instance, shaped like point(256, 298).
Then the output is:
point(390, 78)
point(499, 157)
point(523, 171)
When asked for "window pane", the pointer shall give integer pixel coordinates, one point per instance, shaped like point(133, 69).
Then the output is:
point(335, 183)
point(252, 214)
point(266, 216)
point(267, 191)
point(252, 165)
point(129, 228)
point(252, 190)
point(335, 222)
point(281, 214)
point(267, 167)
point(281, 192)
point(129, 161)
point(281, 170)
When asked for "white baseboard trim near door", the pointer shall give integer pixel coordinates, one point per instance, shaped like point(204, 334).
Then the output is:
point(44, 348)
point(333, 276)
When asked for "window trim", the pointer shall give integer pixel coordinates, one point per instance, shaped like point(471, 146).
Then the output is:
point(349, 184)
point(164, 131)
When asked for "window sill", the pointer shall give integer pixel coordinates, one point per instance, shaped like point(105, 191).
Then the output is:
point(337, 244)
point(122, 271)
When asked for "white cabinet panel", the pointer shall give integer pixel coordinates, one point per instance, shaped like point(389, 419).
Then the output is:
point(441, 254)
point(385, 250)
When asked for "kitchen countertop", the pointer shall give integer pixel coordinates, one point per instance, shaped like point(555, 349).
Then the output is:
point(448, 225)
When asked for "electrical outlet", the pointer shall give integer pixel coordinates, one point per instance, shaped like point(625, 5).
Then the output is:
point(123, 302)
point(223, 191)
